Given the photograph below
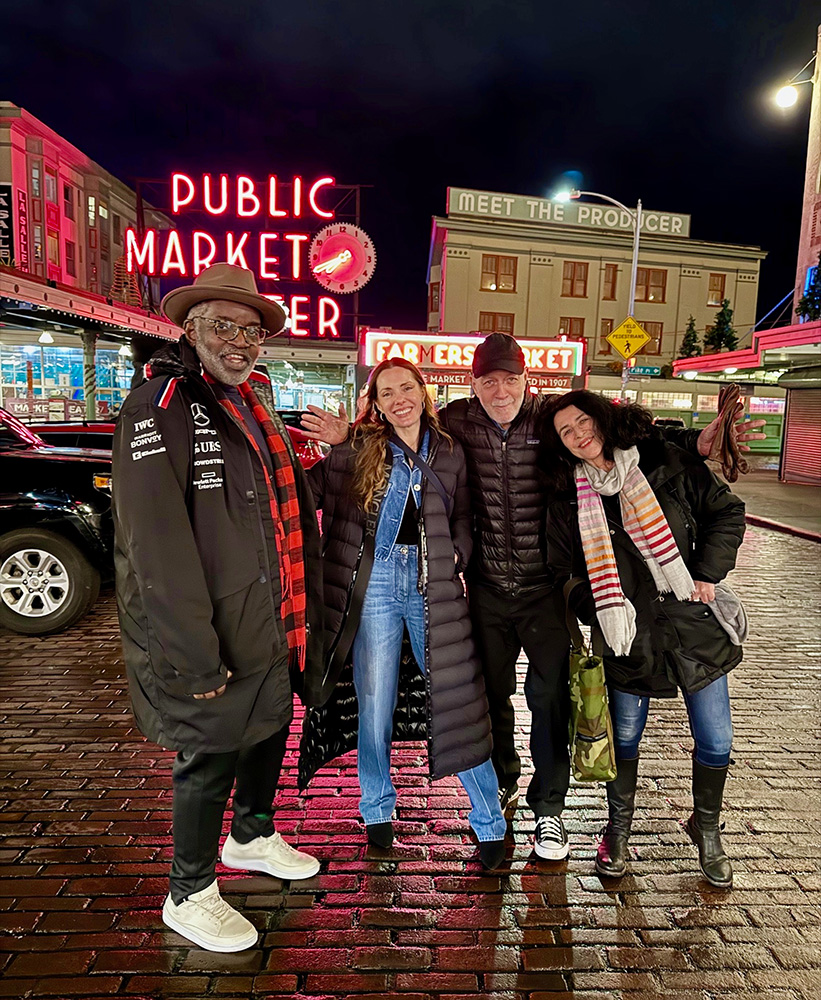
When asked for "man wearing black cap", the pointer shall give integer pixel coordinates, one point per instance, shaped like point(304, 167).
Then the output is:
point(512, 600)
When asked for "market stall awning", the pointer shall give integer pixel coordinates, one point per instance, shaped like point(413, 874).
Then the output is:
point(772, 351)
point(27, 297)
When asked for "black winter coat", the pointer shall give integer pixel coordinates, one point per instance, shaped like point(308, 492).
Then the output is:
point(456, 722)
point(198, 588)
point(678, 643)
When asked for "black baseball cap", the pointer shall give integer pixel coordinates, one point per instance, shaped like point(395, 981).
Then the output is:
point(498, 351)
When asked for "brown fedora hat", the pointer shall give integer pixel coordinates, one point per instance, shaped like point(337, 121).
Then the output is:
point(228, 282)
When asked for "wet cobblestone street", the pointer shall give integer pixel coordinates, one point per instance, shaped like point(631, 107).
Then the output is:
point(85, 827)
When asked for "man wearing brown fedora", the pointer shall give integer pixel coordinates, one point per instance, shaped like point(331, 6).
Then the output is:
point(218, 591)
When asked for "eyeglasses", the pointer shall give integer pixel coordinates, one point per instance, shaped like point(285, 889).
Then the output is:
point(228, 331)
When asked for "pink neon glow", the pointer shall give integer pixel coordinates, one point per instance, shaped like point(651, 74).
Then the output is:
point(296, 256)
point(206, 194)
point(297, 317)
point(297, 197)
point(246, 191)
point(201, 260)
point(177, 200)
point(329, 314)
point(235, 253)
point(322, 182)
point(144, 256)
point(329, 266)
point(266, 260)
point(174, 259)
point(273, 211)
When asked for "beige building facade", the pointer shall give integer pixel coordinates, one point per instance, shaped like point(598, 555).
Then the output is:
point(532, 267)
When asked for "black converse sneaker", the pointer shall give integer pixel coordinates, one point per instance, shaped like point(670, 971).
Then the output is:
point(509, 797)
point(551, 838)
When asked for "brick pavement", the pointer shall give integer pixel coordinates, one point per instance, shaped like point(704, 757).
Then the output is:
point(85, 849)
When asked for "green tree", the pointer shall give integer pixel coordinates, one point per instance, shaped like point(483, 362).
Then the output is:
point(721, 336)
point(809, 305)
point(690, 347)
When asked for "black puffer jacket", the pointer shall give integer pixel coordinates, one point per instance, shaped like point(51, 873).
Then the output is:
point(678, 643)
point(198, 589)
point(457, 726)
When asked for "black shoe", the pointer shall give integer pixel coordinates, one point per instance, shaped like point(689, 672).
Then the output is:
point(492, 853)
point(509, 797)
point(380, 834)
point(704, 827)
point(611, 854)
point(550, 841)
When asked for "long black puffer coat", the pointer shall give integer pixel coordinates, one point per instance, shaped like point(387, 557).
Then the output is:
point(456, 722)
point(678, 643)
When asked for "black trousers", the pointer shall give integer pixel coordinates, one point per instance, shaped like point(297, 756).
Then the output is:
point(202, 784)
point(502, 627)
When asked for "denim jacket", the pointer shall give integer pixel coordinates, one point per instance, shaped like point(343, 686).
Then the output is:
point(402, 479)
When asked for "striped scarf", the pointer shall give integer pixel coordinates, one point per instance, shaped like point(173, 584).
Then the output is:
point(284, 504)
point(645, 523)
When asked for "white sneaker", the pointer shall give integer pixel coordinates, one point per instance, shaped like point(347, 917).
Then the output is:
point(207, 920)
point(270, 855)
point(551, 838)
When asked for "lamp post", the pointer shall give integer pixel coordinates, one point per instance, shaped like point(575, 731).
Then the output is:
point(636, 218)
point(787, 97)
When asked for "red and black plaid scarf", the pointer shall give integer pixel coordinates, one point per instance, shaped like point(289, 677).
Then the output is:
point(282, 497)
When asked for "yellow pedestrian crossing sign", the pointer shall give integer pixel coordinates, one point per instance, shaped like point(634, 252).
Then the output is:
point(628, 338)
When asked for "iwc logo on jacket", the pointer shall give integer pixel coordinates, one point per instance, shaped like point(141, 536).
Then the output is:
point(145, 440)
point(208, 460)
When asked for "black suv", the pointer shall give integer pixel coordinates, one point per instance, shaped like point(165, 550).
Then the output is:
point(56, 530)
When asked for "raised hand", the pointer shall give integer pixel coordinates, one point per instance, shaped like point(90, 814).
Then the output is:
point(743, 431)
point(322, 425)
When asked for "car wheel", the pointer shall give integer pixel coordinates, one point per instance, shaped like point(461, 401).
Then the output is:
point(46, 583)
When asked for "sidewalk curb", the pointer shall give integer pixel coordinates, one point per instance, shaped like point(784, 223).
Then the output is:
point(786, 529)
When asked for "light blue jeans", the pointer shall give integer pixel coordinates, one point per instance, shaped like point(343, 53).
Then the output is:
point(708, 711)
point(392, 602)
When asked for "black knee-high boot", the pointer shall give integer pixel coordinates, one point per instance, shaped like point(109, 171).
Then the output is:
point(703, 825)
point(611, 854)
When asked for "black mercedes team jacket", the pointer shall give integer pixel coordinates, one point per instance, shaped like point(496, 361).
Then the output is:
point(198, 587)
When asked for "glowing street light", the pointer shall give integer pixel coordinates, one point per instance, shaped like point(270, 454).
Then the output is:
point(636, 218)
point(786, 96)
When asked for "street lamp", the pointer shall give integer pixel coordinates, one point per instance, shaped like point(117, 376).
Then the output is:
point(636, 218)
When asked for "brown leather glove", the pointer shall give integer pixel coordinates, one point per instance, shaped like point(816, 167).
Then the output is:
point(725, 446)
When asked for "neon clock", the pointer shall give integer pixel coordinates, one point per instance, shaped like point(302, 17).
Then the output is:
point(342, 257)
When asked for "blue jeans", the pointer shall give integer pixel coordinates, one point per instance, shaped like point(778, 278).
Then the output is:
point(391, 603)
point(708, 711)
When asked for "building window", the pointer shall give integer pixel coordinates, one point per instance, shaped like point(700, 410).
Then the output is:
point(433, 298)
point(667, 400)
point(574, 280)
point(103, 210)
point(651, 285)
point(496, 323)
point(610, 274)
point(715, 295)
point(116, 223)
point(709, 404)
point(71, 259)
point(604, 332)
point(51, 186)
point(571, 327)
point(68, 202)
point(35, 180)
point(498, 273)
point(37, 232)
point(54, 247)
point(654, 331)
point(766, 404)
point(92, 210)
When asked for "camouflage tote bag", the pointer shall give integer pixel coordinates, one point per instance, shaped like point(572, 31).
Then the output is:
point(592, 752)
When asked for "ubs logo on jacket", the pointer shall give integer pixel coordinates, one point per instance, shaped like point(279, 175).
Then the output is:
point(208, 460)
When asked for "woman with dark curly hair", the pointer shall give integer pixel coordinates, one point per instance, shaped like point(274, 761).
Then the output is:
point(650, 532)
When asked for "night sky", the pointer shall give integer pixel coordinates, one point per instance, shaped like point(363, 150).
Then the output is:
point(669, 103)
